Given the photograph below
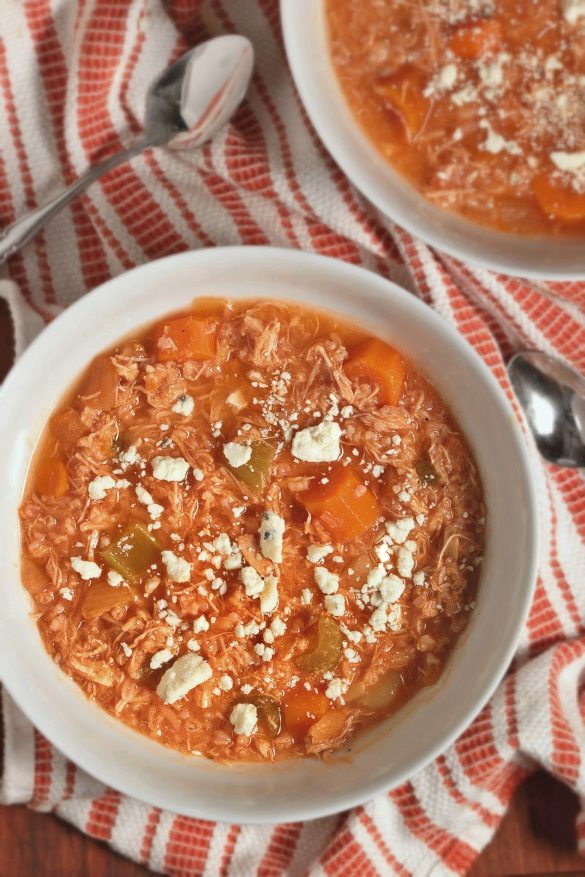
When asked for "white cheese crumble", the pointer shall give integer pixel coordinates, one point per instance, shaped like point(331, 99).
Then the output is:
point(225, 682)
point(306, 596)
point(129, 457)
point(568, 161)
point(160, 658)
point(573, 10)
point(200, 624)
point(178, 569)
point(252, 581)
point(335, 604)
point(184, 405)
point(336, 689)
point(86, 569)
point(236, 454)
point(145, 498)
point(234, 561)
point(277, 627)
point(271, 531)
point(399, 530)
point(114, 578)
point(495, 143)
point(316, 553)
point(264, 652)
point(391, 588)
point(222, 544)
point(405, 562)
point(379, 618)
point(269, 595)
point(100, 485)
point(318, 444)
point(443, 81)
point(169, 468)
point(236, 400)
point(198, 474)
point(66, 593)
point(327, 582)
point(185, 674)
point(244, 718)
point(419, 579)
point(491, 73)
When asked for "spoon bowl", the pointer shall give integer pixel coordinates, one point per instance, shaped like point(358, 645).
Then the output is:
point(195, 97)
point(552, 395)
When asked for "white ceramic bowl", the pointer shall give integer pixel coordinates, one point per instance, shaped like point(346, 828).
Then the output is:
point(391, 752)
point(305, 36)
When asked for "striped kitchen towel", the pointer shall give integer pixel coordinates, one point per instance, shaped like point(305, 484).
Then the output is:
point(73, 76)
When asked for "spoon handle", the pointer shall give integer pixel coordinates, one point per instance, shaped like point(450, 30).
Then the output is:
point(24, 229)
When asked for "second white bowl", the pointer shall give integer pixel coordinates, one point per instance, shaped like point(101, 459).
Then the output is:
point(305, 35)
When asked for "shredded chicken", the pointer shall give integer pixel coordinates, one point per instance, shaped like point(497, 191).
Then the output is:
point(288, 365)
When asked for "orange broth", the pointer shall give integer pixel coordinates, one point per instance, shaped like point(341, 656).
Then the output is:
point(206, 577)
point(480, 104)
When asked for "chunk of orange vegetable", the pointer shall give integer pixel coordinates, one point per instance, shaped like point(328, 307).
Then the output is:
point(52, 479)
point(210, 306)
point(345, 506)
point(376, 361)
point(101, 598)
point(556, 199)
point(475, 39)
point(186, 338)
point(302, 710)
point(100, 387)
point(66, 426)
point(404, 92)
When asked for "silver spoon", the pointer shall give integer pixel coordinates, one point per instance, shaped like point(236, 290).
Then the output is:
point(553, 397)
point(185, 107)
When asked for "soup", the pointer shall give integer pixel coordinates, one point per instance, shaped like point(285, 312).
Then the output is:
point(252, 530)
point(480, 105)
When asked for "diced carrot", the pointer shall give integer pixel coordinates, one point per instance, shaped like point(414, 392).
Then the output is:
point(210, 306)
point(34, 578)
point(475, 39)
point(378, 362)
point(345, 506)
point(66, 426)
point(100, 387)
point(52, 478)
point(404, 91)
point(186, 338)
point(101, 598)
point(557, 200)
point(301, 710)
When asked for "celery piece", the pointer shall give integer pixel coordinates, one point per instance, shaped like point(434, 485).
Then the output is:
point(256, 471)
point(132, 553)
point(327, 652)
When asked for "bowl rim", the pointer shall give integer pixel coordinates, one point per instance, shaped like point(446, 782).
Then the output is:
point(79, 313)
point(294, 28)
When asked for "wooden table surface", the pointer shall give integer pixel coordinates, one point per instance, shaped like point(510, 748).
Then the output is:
point(536, 837)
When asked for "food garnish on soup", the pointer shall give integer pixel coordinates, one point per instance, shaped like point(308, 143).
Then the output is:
point(251, 531)
point(479, 103)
